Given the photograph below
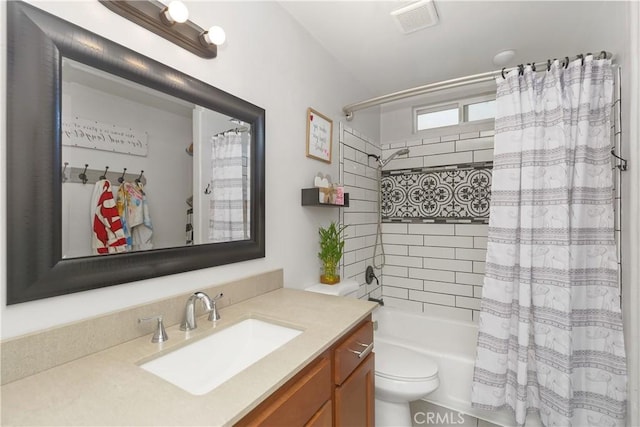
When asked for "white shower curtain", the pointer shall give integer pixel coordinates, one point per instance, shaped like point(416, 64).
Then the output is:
point(228, 219)
point(550, 333)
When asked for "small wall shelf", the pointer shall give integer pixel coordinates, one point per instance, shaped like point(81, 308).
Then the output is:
point(311, 197)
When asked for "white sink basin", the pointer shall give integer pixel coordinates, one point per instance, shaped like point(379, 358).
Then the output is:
point(202, 366)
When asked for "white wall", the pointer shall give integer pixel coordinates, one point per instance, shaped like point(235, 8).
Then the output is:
point(631, 207)
point(268, 60)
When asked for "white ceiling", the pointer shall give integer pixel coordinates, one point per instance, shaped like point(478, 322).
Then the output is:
point(366, 40)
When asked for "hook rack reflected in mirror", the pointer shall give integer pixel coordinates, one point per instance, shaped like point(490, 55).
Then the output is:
point(91, 176)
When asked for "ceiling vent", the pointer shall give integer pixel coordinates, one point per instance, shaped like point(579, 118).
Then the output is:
point(416, 16)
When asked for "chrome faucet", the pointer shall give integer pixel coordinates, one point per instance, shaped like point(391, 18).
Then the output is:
point(189, 319)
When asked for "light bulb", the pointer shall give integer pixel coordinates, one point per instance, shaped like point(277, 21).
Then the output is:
point(177, 12)
point(215, 35)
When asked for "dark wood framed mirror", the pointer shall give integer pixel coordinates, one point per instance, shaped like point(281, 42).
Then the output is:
point(37, 44)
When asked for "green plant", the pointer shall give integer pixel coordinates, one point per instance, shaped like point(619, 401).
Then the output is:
point(331, 249)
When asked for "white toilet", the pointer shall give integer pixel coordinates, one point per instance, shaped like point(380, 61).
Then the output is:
point(402, 375)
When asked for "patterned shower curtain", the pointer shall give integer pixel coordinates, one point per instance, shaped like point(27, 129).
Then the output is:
point(550, 333)
point(228, 218)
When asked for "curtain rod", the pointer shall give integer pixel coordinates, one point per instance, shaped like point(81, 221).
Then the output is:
point(446, 84)
point(241, 129)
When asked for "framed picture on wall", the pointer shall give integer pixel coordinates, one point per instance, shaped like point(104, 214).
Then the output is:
point(319, 136)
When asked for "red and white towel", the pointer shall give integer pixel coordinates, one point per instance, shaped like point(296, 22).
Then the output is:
point(108, 236)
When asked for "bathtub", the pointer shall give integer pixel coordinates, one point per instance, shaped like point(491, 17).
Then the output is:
point(452, 345)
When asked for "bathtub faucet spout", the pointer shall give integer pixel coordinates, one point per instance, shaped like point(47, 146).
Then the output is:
point(379, 301)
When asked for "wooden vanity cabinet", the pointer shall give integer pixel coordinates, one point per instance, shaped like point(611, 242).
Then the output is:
point(354, 373)
point(336, 389)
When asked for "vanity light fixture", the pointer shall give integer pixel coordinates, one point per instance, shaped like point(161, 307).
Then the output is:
point(171, 22)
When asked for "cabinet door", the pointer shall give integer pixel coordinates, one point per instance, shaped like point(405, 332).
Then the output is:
point(354, 399)
point(297, 401)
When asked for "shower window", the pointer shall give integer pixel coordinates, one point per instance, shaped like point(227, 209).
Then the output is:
point(480, 111)
point(429, 119)
point(454, 113)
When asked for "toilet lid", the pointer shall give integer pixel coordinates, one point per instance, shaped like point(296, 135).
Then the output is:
point(393, 361)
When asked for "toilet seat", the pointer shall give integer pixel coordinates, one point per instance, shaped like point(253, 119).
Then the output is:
point(399, 363)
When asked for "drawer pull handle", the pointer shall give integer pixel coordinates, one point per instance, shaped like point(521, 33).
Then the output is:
point(364, 352)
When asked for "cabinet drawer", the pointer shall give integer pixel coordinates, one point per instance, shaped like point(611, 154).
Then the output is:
point(353, 351)
point(296, 402)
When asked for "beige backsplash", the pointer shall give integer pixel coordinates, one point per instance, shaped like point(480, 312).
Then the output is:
point(32, 353)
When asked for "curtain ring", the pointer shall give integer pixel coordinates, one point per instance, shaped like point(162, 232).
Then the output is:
point(548, 65)
point(603, 55)
point(520, 69)
point(533, 67)
point(581, 58)
point(503, 68)
point(566, 62)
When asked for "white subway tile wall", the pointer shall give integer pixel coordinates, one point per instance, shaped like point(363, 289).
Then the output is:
point(437, 268)
point(359, 175)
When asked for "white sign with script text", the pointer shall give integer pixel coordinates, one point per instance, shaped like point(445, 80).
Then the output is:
point(102, 136)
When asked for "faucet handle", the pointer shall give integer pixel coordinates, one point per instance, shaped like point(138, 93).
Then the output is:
point(160, 335)
point(213, 313)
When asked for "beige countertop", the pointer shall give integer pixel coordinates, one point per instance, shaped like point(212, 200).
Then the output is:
point(109, 387)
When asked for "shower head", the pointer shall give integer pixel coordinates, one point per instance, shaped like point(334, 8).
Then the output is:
point(400, 152)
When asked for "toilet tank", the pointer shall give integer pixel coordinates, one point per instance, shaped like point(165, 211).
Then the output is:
point(346, 288)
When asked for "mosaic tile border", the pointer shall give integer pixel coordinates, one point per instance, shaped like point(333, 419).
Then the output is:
point(449, 194)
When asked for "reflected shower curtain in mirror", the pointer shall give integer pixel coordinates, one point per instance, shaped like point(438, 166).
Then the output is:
point(228, 218)
point(550, 329)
